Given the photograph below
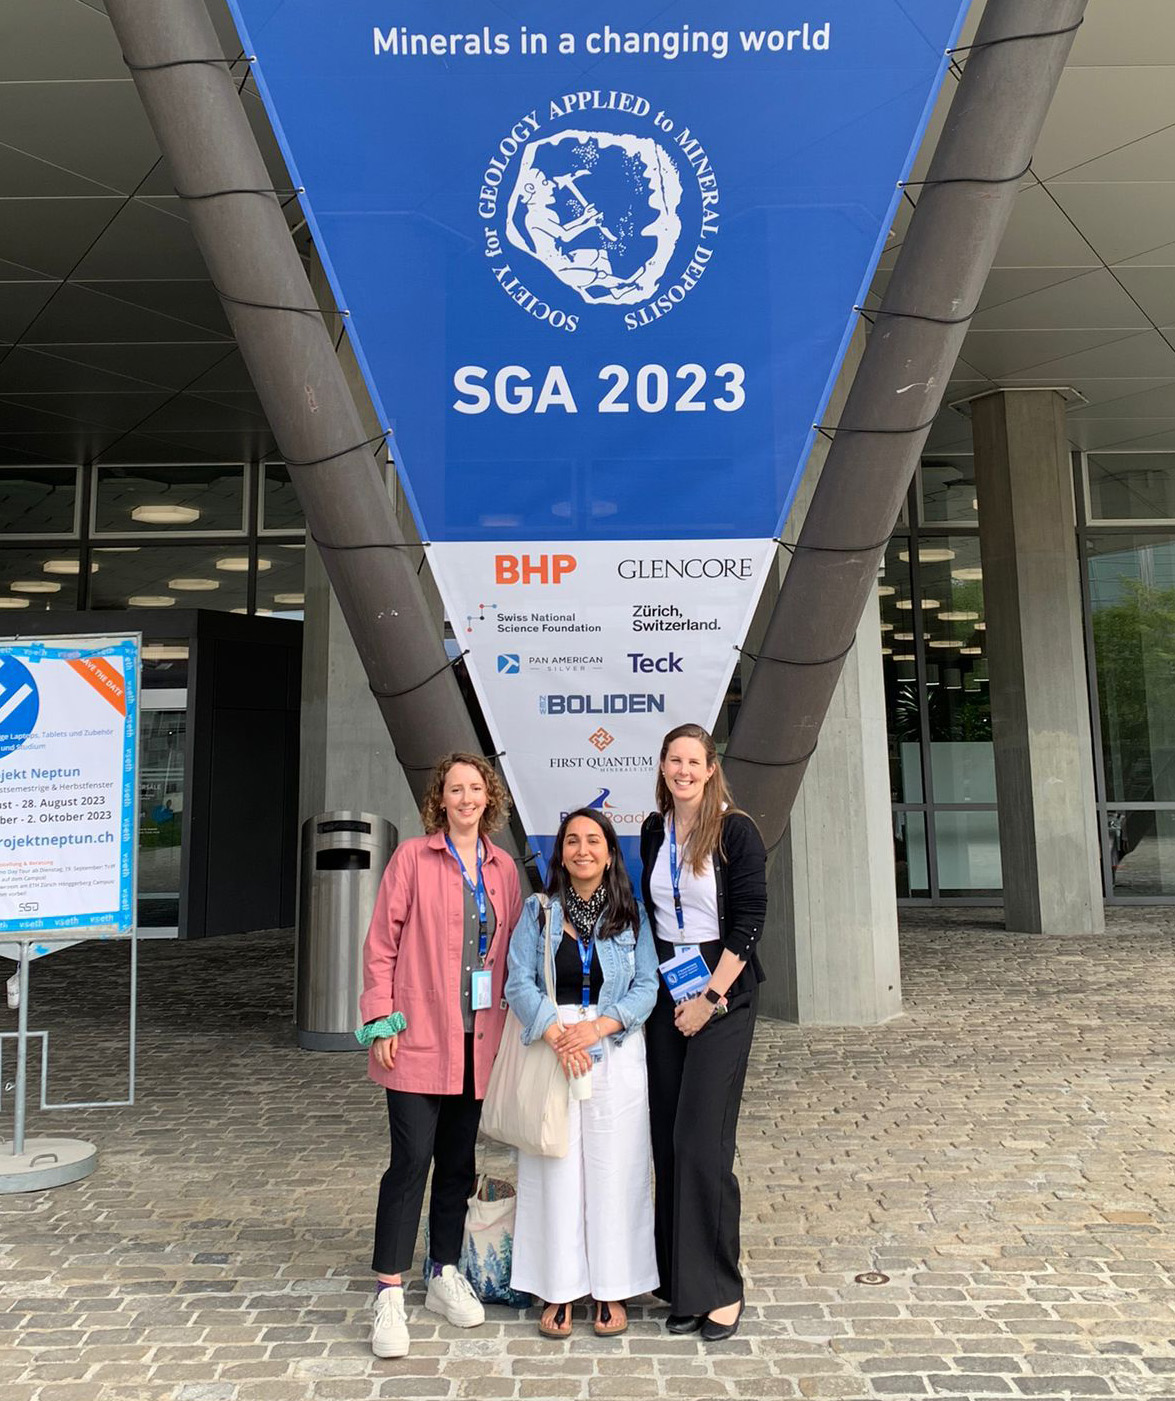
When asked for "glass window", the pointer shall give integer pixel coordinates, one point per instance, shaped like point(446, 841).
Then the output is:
point(1131, 486)
point(967, 852)
point(954, 641)
point(901, 685)
point(167, 576)
point(133, 500)
point(911, 865)
point(37, 579)
point(38, 500)
point(946, 489)
point(280, 507)
point(1132, 597)
point(161, 808)
point(1142, 852)
point(281, 576)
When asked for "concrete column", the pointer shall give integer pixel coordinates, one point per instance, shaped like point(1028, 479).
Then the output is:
point(831, 941)
point(1039, 692)
point(347, 759)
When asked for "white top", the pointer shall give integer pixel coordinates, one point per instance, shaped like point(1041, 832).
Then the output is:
point(699, 899)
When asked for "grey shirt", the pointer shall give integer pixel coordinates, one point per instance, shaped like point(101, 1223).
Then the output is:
point(469, 958)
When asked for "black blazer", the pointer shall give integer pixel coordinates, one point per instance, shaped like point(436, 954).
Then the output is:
point(741, 877)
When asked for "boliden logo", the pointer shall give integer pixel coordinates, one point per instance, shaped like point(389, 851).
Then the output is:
point(641, 662)
point(613, 703)
point(532, 569)
point(509, 664)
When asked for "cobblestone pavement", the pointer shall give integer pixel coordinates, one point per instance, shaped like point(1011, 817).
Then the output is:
point(1003, 1153)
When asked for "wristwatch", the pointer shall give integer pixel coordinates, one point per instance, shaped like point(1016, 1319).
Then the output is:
point(717, 1002)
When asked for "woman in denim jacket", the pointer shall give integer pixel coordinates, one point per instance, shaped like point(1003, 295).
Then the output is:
point(585, 1222)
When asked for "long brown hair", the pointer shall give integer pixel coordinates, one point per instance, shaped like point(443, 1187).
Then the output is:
point(497, 808)
point(620, 910)
point(717, 801)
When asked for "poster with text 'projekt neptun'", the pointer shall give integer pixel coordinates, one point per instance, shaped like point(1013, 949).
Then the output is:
point(601, 262)
point(68, 800)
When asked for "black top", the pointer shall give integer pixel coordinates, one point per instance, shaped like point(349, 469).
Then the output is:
point(569, 972)
point(741, 877)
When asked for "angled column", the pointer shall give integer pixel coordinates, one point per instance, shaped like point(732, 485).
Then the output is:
point(1039, 690)
point(831, 941)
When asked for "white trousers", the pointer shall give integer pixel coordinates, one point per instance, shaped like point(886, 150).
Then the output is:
point(584, 1223)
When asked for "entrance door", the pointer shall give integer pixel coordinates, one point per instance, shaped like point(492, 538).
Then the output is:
point(161, 810)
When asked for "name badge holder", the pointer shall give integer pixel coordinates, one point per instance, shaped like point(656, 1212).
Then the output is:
point(586, 948)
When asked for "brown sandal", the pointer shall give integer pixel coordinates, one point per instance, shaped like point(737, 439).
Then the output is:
point(611, 1318)
point(555, 1321)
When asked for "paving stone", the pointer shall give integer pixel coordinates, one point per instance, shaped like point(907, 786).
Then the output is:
point(1005, 1152)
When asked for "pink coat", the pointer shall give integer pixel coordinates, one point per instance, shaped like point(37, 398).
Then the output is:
point(412, 964)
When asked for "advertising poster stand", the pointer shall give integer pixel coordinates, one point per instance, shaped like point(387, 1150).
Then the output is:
point(69, 740)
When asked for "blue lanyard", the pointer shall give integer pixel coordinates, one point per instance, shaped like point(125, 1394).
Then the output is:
point(478, 892)
point(586, 947)
point(673, 874)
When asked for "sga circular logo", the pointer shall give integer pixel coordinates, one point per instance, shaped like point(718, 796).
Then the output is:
point(20, 704)
point(598, 204)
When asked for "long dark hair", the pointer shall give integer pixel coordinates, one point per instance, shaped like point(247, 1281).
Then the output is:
point(620, 910)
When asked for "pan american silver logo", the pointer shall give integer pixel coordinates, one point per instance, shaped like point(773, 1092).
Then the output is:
point(597, 201)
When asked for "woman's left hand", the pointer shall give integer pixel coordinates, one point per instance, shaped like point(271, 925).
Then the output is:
point(692, 1015)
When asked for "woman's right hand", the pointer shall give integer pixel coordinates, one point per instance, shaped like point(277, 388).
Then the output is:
point(384, 1049)
point(574, 1063)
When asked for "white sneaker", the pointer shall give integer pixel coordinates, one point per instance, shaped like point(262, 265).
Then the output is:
point(389, 1323)
point(451, 1294)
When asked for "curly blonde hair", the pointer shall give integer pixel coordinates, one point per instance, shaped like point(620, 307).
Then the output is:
point(497, 809)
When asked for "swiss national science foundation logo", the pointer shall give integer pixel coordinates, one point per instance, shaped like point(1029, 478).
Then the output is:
point(597, 200)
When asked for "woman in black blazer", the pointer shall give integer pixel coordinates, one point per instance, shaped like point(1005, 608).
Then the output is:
point(705, 886)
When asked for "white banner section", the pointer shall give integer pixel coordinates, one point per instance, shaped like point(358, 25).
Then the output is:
point(585, 653)
point(68, 793)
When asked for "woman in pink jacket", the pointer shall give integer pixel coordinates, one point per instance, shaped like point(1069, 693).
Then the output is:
point(433, 968)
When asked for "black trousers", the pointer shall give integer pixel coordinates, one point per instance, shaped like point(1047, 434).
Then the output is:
point(436, 1129)
point(695, 1094)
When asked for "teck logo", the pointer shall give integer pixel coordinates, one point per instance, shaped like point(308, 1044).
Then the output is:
point(532, 569)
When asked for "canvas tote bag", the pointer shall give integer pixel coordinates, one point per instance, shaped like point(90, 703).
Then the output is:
point(526, 1102)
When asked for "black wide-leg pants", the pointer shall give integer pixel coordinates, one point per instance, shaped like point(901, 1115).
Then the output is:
point(436, 1129)
point(695, 1094)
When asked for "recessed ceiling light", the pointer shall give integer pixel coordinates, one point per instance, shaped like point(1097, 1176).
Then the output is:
point(300, 598)
point(980, 627)
point(887, 651)
point(193, 585)
point(958, 615)
point(150, 600)
point(968, 573)
point(14, 603)
point(264, 612)
point(34, 586)
point(885, 627)
point(903, 637)
point(927, 603)
point(293, 547)
point(904, 657)
point(946, 642)
point(885, 590)
point(970, 651)
point(238, 564)
point(66, 566)
point(164, 652)
point(929, 554)
point(165, 515)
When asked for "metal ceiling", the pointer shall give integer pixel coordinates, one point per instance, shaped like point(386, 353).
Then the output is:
point(113, 345)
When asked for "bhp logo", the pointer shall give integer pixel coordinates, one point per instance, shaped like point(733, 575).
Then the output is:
point(532, 569)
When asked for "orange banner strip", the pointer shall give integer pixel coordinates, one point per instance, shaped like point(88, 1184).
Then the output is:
point(104, 679)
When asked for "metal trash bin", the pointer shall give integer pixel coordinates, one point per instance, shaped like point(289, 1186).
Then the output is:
point(343, 856)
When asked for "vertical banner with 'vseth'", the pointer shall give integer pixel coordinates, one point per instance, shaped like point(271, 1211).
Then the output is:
point(602, 263)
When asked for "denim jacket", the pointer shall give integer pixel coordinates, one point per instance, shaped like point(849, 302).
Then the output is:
point(628, 962)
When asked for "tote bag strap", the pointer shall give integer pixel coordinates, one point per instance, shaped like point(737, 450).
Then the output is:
point(548, 952)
